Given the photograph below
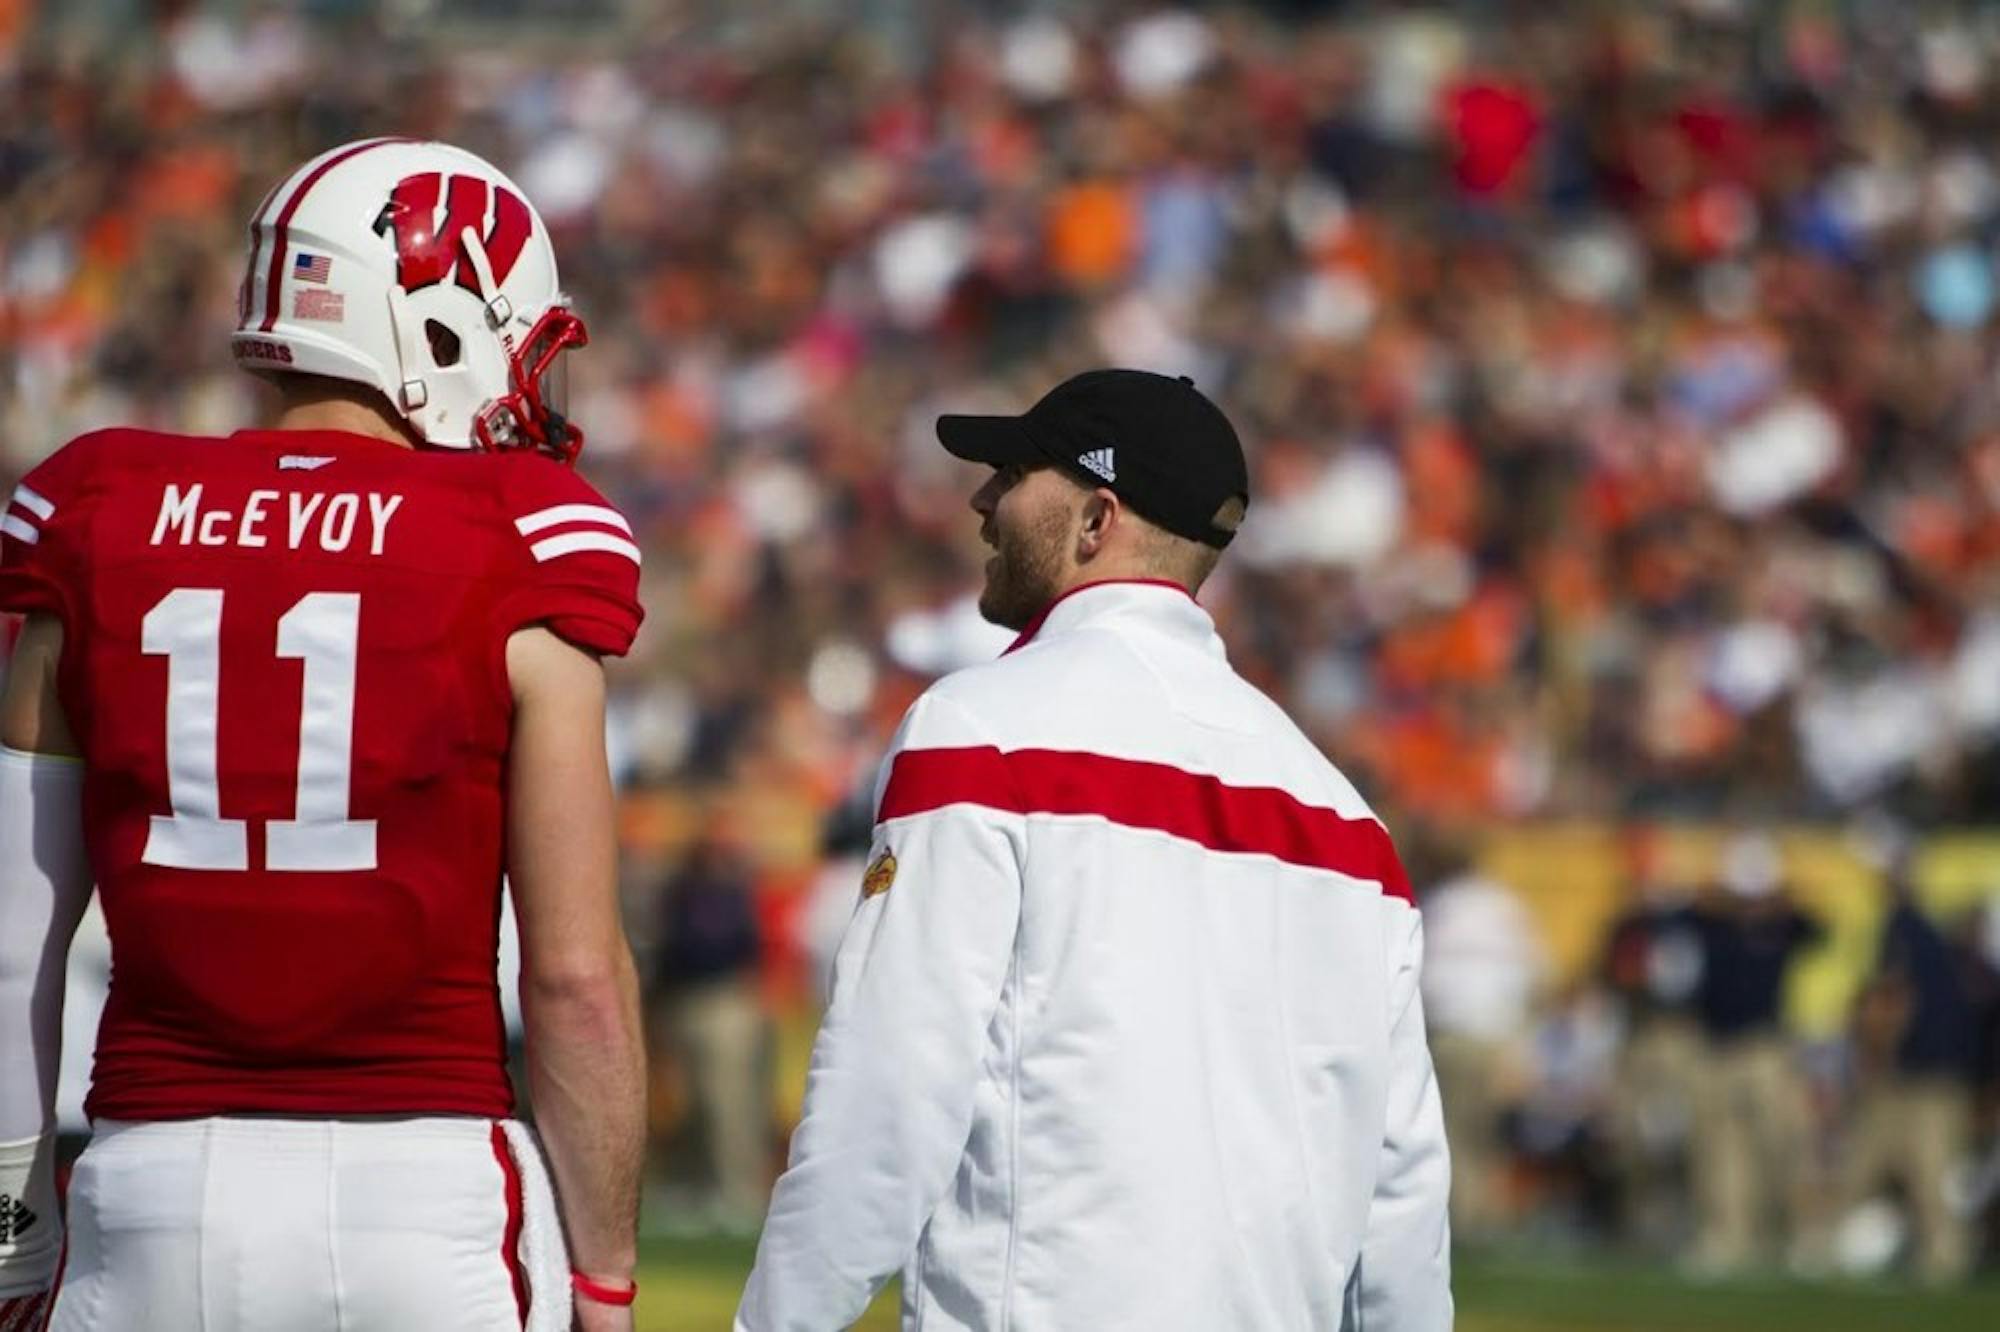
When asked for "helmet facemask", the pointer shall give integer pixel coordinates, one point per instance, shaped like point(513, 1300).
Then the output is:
point(506, 372)
point(532, 414)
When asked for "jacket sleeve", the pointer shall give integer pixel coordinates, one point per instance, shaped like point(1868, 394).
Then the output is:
point(1403, 1281)
point(889, 1098)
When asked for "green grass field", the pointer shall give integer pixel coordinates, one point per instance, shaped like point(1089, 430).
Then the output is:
point(692, 1285)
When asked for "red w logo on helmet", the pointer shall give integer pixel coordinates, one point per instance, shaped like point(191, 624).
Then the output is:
point(428, 249)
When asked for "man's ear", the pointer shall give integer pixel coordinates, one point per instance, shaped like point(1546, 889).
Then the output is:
point(1101, 512)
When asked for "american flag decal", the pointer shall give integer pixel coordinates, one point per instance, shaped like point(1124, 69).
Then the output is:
point(312, 267)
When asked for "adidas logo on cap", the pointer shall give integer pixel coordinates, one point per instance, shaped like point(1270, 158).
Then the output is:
point(1101, 462)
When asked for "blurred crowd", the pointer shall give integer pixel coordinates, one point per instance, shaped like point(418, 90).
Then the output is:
point(1620, 382)
point(1659, 1097)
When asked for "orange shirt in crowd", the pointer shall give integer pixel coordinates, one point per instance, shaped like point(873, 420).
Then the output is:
point(1093, 231)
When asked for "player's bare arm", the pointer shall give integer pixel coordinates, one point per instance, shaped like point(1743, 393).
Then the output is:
point(43, 889)
point(31, 718)
point(579, 990)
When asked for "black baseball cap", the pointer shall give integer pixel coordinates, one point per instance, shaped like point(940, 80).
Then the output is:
point(1153, 441)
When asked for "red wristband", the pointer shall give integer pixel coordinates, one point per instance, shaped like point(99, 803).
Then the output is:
point(603, 1294)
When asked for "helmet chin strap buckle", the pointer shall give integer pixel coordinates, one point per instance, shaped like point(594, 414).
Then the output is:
point(403, 323)
point(498, 311)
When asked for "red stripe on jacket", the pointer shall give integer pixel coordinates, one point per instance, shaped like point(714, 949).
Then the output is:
point(1259, 820)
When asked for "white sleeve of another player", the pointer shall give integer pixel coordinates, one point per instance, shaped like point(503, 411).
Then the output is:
point(1404, 1280)
point(889, 1099)
point(44, 887)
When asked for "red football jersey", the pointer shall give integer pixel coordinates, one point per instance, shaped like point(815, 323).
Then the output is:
point(284, 659)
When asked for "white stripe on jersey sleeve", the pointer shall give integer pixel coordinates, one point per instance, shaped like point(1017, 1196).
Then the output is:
point(33, 503)
point(569, 543)
point(14, 526)
point(572, 513)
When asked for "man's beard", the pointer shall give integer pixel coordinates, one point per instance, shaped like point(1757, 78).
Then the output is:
point(1025, 574)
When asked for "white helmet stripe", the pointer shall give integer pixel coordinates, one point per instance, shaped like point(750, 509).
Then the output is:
point(250, 270)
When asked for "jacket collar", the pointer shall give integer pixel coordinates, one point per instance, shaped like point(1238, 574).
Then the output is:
point(1165, 602)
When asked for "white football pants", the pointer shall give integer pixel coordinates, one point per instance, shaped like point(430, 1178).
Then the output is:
point(307, 1225)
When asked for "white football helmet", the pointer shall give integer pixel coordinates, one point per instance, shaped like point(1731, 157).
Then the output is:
point(419, 270)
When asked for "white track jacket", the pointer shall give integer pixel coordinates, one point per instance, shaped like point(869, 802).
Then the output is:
point(1125, 1032)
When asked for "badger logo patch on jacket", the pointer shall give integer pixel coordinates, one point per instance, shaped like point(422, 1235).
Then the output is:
point(880, 875)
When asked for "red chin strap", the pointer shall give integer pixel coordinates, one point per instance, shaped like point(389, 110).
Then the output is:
point(521, 419)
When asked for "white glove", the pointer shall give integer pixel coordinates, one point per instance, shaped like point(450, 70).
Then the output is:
point(31, 1230)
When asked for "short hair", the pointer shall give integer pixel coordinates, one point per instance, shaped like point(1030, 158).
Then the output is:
point(1167, 555)
point(1175, 557)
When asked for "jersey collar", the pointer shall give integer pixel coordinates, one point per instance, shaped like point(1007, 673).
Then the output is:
point(318, 439)
point(1090, 601)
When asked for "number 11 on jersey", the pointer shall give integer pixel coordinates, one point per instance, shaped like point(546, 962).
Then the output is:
point(323, 630)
